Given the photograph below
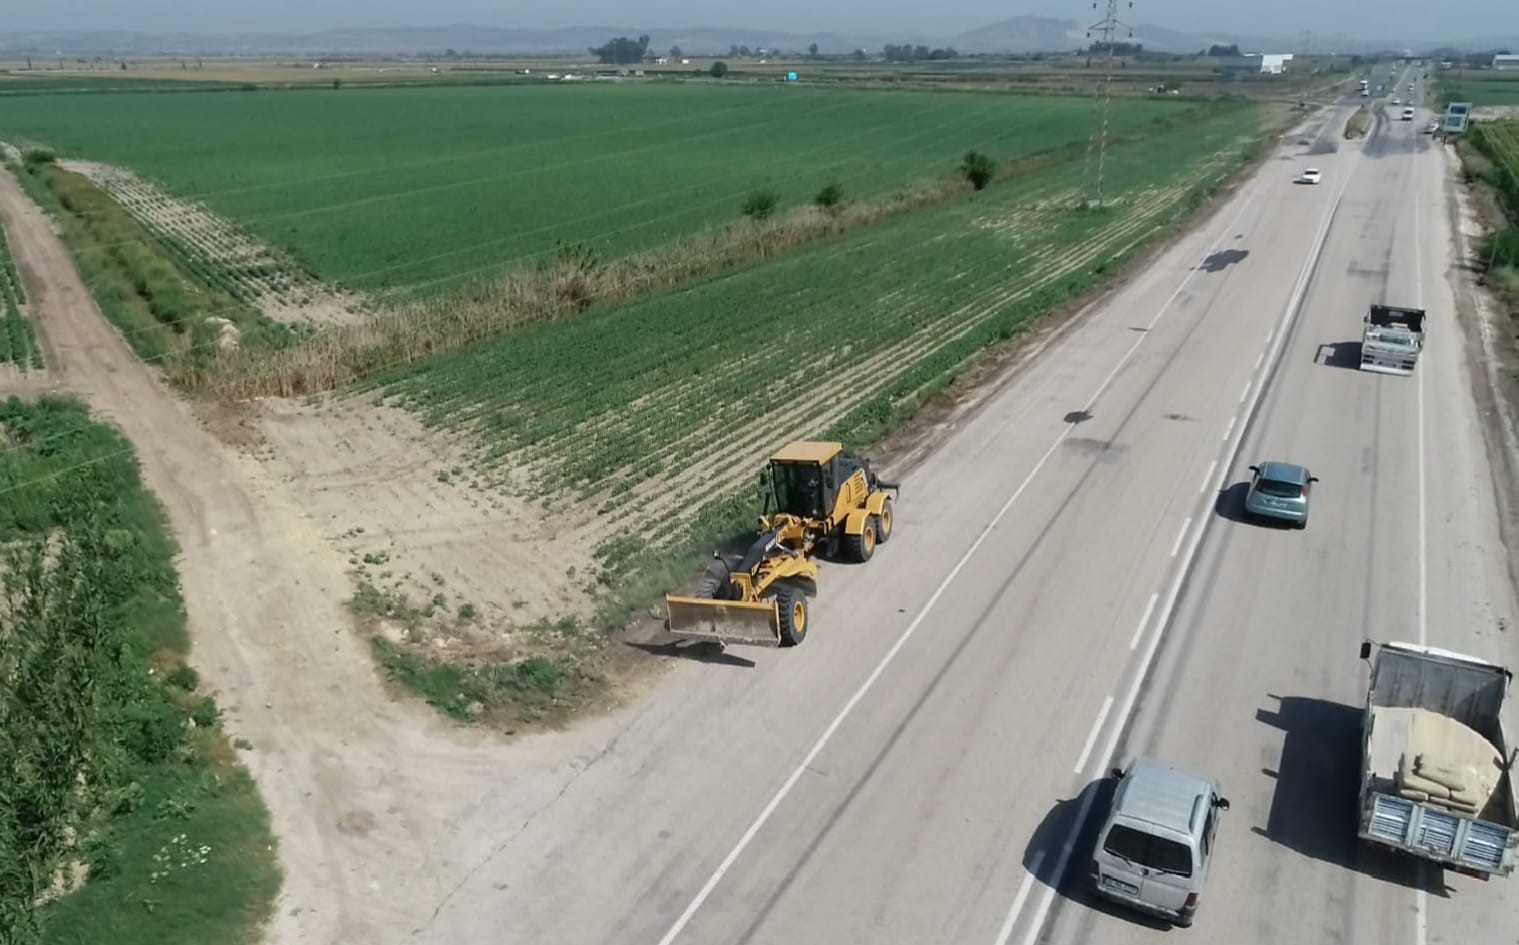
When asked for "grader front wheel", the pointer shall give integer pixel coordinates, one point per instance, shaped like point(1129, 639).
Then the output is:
point(792, 604)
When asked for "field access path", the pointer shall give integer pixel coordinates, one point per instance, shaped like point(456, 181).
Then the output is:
point(357, 784)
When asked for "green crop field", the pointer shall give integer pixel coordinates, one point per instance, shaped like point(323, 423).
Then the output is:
point(18, 343)
point(415, 187)
point(1483, 89)
point(1502, 142)
point(638, 409)
point(114, 753)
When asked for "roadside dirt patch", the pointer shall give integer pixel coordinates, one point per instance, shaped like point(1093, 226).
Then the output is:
point(470, 563)
point(220, 253)
point(1493, 338)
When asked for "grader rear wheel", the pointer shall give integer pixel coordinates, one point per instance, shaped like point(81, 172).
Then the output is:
point(863, 545)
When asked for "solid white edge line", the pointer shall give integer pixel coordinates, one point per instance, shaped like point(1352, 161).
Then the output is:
point(1229, 431)
point(1131, 698)
point(1176, 545)
point(1037, 927)
point(1086, 748)
point(1144, 621)
point(1209, 477)
point(1419, 394)
point(1421, 898)
point(1006, 932)
point(791, 780)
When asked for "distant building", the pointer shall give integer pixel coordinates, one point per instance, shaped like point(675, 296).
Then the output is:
point(1239, 65)
point(1506, 62)
point(1275, 63)
point(1255, 64)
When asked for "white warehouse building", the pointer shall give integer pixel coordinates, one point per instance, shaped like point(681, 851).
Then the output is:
point(1275, 63)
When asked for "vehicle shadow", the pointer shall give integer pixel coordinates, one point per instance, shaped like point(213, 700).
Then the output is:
point(1314, 807)
point(1341, 354)
point(1223, 259)
point(700, 651)
point(1041, 857)
point(1230, 505)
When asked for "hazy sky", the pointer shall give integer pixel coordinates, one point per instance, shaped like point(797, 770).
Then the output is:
point(930, 18)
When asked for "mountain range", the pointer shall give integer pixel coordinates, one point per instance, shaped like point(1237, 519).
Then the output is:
point(1020, 34)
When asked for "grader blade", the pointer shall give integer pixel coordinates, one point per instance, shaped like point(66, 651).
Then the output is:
point(745, 623)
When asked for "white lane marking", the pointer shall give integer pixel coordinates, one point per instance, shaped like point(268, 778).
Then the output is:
point(1045, 901)
point(1260, 357)
point(1209, 477)
point(1086, 749)
point(1132, 697)
point(1144, 621)
point(1230, 429)
point(1421, 904)
point(786, 787)
point(1176, 545)
point(1244, 393)
point(1006, 931)
point(1419, 393)
point(1269, 335)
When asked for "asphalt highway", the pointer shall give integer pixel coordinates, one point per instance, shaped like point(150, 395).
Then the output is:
point(1070, 584)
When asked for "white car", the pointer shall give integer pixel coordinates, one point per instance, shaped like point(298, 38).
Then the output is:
point(1397, 101)
point(1310, 176)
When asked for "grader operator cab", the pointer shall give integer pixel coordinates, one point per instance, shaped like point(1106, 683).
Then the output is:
point(817, 501)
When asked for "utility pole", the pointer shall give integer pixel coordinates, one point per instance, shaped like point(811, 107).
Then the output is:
point(1108, 28)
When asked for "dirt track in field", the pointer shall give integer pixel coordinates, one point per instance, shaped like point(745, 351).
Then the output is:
point(360, 786)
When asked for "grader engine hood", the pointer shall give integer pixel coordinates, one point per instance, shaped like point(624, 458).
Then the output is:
point(746, 623)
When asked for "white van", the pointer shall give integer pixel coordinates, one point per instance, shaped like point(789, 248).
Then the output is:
point(1155, 850)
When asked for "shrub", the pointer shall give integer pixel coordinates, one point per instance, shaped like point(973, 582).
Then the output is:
point(183, 677)
point(719, 69)
point(760, 204)
point(830, 196)
point(978, 169)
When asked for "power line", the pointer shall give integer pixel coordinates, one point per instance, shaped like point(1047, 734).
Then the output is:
point(1108, 28)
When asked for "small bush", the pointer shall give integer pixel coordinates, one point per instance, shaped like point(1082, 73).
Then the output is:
point(978, 169)
point(830, 196)
point(719, 69)
point(760, 204)
point(183, 677)
point(205, 714)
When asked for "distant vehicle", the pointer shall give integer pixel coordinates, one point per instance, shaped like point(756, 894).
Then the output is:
point(1408, 113)
point(1397, 101)
point(1436, 768)
point(1310, 176)
point(1391, 339)
point(1365, 92)
point(1155, 850)
point(1280, 491)
point(1432, 127)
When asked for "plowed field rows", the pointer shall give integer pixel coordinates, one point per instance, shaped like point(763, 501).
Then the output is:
point(651, 408)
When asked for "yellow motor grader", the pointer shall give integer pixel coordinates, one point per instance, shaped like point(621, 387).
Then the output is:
point(818, 501)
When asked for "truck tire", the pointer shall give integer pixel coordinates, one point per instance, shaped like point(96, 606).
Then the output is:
point(792, 604)
point(885, 522)
point(863, 545)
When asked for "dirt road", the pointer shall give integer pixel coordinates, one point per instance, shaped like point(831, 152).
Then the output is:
point(358, 785)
